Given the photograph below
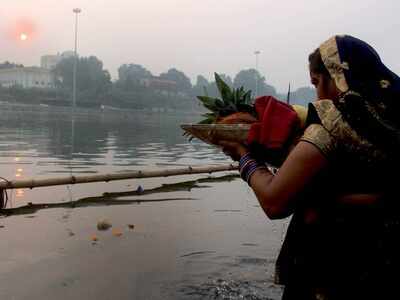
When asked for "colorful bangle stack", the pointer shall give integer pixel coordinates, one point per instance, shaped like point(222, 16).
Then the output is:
point(247, 166)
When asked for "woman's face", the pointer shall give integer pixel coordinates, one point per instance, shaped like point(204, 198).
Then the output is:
point(325, 87)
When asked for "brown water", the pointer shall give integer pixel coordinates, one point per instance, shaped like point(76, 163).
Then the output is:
point(200, 240)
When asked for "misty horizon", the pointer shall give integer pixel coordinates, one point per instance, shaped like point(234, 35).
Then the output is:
point(197, 38)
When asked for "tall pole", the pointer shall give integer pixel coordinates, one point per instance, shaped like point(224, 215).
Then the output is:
point(288, 95)
point(256, 53)
point(76, 11)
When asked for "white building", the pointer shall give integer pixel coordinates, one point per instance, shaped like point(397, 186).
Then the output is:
point(27, 77)
point(157, 83)
point(50, 61)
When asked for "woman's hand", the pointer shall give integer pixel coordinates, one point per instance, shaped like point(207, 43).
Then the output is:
point(233, 149)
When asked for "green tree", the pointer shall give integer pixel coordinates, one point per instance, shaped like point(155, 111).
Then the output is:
point(129, 75)
point(10, 65)
point(201, 81)
point(247, 79)
point(93, 82)
point(182, 81)
point(303, 96)
point(200, 86)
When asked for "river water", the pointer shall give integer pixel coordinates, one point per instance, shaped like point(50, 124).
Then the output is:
point(182, 237)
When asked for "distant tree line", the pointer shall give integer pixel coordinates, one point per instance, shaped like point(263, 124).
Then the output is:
point(132, 89)
point(9, 65)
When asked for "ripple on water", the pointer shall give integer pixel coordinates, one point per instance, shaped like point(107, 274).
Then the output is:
point(247, 260)
point(229, 289)
point(226, 277)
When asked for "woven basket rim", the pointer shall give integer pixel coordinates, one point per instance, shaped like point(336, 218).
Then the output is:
point(211, 133)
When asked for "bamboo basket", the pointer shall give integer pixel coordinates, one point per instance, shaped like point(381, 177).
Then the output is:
point(212, 133)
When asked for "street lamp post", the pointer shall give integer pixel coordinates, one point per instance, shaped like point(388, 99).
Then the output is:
point(256, 54)
point(76, 11)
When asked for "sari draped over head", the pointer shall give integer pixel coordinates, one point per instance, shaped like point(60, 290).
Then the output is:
point(344, 246)
point(370, 99)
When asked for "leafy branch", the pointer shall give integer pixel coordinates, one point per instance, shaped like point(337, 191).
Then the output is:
point(231, 101)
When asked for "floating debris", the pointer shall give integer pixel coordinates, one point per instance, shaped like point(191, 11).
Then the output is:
point(103, 225)
point(197, 253)
point(131, 226)
point(2, 226)
point(140, 189)
point(116, 232)
point(250, 244)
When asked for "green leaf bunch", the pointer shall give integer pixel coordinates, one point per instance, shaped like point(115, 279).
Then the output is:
point(231, 101)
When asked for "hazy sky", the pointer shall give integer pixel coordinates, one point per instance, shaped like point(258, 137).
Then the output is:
point(199, 36)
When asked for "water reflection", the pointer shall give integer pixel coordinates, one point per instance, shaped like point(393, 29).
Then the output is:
point(54, 142)
point(197, 238)
point(121, 198)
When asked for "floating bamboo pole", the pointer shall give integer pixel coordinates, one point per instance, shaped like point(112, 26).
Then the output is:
point(32, 183)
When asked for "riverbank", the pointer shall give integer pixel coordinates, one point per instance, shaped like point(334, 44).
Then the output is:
point(21, 107)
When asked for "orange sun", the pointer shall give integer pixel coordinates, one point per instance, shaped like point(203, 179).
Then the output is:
point(23, 36)
point(22, 30)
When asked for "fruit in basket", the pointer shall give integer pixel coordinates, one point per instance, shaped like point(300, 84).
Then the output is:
point(238, 118)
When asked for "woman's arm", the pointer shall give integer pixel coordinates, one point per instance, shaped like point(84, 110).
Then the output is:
point(278, 194)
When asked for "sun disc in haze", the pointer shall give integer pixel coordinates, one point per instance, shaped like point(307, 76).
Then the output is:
point(23, 36)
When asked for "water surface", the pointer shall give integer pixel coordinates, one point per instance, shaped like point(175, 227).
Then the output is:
point(204, 239)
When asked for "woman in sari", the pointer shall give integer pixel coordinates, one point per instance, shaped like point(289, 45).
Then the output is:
point(338, 181)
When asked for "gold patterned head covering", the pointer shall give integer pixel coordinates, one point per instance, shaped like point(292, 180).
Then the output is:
point(331, 59)
point(370, 98)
